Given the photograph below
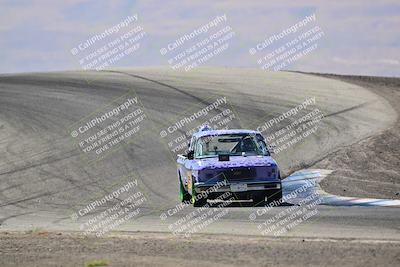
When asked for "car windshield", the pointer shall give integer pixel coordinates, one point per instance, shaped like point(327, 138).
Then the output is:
point(230, 144)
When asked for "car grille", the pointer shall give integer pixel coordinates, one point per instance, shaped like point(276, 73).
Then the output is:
point(239, 173)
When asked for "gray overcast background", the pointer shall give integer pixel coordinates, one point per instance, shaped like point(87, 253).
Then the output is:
point(361, 36)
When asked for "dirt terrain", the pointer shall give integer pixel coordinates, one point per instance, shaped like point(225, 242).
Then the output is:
point(371, 167)
point(150, 249)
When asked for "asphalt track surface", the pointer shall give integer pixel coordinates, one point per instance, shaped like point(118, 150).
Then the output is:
point(44, 179)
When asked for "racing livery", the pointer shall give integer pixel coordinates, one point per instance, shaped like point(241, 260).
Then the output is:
point(236, 161)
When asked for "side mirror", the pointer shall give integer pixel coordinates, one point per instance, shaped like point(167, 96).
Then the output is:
point(190, 154)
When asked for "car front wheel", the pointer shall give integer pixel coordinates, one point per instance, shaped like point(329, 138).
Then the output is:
point(183, 194)
point(259, 199)
point(275, 196)
point(198, 200)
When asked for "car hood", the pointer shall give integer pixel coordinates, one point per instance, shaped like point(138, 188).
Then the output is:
point(234, 161)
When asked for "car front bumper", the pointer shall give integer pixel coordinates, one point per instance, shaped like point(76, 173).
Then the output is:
point(249, 186)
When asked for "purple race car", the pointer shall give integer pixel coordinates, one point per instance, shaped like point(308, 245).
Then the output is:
point(235, 161)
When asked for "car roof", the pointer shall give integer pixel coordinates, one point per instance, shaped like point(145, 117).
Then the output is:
point(221, 132)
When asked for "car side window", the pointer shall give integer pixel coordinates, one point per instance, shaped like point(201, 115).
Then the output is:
point(192, 145)
point(263, 146)
point(197, 148)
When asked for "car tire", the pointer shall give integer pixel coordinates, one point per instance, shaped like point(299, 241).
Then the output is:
point(259, 199)
point(276, 196)
point(198, 202)
point(184, 196)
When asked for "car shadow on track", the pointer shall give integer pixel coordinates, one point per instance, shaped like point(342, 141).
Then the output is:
point(244, 204)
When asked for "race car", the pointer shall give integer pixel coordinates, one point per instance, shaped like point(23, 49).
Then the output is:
point(236, 161)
